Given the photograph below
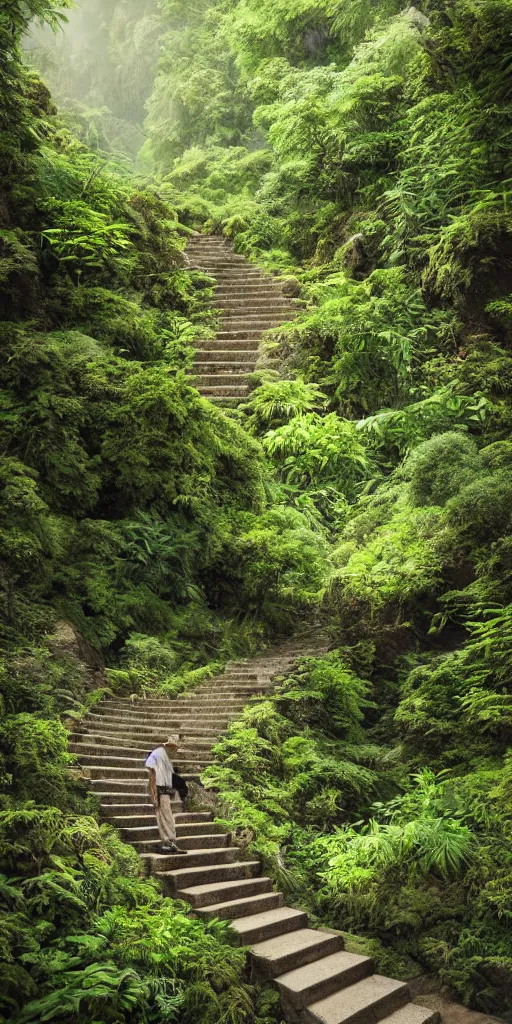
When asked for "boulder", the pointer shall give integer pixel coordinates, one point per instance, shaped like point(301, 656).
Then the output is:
point(291, 287)
point(419, 20)
point(66, 643)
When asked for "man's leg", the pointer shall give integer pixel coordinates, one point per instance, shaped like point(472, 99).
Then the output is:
point(165, 820)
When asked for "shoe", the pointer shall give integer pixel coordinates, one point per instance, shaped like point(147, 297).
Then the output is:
point(177, 849)
point(171, 848)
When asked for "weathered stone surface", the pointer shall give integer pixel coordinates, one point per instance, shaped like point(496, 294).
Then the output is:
point(249, 302)
point(67, 643)
point(291, 287)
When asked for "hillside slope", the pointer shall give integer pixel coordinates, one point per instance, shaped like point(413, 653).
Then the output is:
point(362, 150)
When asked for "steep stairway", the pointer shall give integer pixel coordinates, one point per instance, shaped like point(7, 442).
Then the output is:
point(319, 982)
point(250, 302)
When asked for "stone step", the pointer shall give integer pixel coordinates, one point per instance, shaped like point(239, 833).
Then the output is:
point(227, 701)
point(122, 788)
point(365, 1002)
point(279, 955)
point(143, 835)
point(246, 345)
point(221, 359)
point(212, 718)
point(223, 402)
point(169, 709)
point(142, 702)
point(192, 817)
point(199, 828)
point(153, 707)
point(206, 837)
point(230, 317)
point(132, 803)
point(146, 840)
point(228, 370)
point(236, 673)
point(143, 812)
point(240, 293)
point(231, 890)
point(229, 697)
point(223, 266)
point(223, 391)
point(264, 284)
point(97, 773)
point(202, 380)
point(202, 254)
point(131, 733)
point(190, 703)
point(241, 273)
point(234, 909)
point(223, 366)
point(315, 981)
point(125, 741)
point(204, 841)
point(250, 335)
point(114, 746)
point(212, 707)
point(413, 1014)
point(235, 682)
point(230, 325)
point(268, 924)
point(240, 286)
point(240, 688)
point(146, 819)
point(213, 724)
point(113, 753)
point(223, 261)
point(228, 254)
point(248, 692)
point(121, 816)
point(175, 882)
point(134, 763)
point(202, 251)
point(238, 278)
point(255, 307)
point(220, 858)
point(222, 256)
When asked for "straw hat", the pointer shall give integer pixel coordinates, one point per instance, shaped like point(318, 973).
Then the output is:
point(173, 741)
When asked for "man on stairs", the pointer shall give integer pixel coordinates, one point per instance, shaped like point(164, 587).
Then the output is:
point(161, 792)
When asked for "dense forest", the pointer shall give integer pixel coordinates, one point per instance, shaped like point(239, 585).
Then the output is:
point(363, 150)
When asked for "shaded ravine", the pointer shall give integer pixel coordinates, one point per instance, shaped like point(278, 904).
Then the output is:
point(319, 982)
point(250, 302)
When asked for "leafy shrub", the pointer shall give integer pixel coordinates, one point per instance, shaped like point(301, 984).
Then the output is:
point(440, 467)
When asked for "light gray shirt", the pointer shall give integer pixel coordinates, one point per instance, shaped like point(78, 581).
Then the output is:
point(161, 762)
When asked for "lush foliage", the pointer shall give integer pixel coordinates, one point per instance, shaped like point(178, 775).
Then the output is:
point(352, 824)
point(363, 152)
point(84, 937)
point(137, 528)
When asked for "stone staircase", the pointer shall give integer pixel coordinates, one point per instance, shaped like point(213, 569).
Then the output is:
point(319, 982)
point(250, 303)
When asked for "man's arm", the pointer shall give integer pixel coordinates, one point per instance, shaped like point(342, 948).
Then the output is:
point(152, 790)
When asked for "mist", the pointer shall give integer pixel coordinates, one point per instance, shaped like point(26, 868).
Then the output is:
point(102, 65)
